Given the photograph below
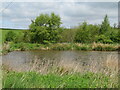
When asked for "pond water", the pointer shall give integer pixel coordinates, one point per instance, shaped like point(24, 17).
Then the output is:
point(78, 60)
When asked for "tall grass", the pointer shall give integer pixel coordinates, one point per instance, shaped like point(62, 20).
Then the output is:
point(64, 74)
point(77, 80)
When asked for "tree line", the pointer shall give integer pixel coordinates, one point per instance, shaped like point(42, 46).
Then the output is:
point(47, 29)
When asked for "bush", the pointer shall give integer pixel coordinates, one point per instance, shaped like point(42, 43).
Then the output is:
point(104, 39)
point(10, 36)
point(19, 38)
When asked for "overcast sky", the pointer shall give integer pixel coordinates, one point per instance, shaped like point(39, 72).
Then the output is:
point(19, 14)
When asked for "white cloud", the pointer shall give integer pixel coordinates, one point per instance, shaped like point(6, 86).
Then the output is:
point(71, 13)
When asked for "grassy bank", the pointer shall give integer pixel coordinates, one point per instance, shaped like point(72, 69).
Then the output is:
point(77, 80)
point(59, 46)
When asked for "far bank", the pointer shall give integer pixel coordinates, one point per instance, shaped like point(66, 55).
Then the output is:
point(8, 47)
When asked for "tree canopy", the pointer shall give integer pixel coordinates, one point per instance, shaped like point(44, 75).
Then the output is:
point(105, 26)
point(45, 28)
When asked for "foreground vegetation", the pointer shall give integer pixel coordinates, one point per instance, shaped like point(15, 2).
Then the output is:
point(76, 80)
point(61, 75)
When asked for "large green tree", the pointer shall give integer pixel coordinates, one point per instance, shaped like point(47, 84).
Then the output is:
point(45, 28)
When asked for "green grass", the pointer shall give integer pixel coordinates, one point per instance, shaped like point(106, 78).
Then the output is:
point(3, 32)
point(37, 80)
point(24, 46)
point(61, 47)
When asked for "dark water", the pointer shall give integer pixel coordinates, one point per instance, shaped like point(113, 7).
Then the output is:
point(83, 60)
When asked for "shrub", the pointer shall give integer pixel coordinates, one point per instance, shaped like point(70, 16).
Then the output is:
point(10, 36)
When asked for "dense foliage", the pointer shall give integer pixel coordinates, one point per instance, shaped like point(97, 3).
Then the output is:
point(46, 29)
point(86, 33)
point(10, 36)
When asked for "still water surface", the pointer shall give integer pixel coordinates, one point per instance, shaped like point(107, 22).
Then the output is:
point(83, 60)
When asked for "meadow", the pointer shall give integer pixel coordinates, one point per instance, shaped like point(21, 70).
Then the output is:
point(3, 32)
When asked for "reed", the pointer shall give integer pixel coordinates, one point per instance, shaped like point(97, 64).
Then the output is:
point(64, 74)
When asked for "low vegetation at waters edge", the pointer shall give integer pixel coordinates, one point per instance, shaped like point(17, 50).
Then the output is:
point(59, 46)
point(85, 47)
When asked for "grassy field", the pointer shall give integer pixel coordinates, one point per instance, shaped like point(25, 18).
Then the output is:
point(3, 32)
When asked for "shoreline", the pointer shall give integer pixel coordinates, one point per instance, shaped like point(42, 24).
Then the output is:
point(9, 47)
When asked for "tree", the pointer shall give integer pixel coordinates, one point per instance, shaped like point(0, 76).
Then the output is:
point(115, 35)
point(86, 33)
point(105, 26)
point(45, 28)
